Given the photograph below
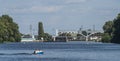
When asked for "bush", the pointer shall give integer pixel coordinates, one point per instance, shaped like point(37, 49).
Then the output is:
point(106, 38)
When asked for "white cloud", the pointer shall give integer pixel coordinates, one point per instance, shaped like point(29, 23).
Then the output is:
point(39, 9)
point(75, 1)
point(45, 8)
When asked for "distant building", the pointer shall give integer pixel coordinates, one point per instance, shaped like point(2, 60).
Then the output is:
point(71, 35)
point(28, 38)
point(96, 37)
point(83, 35)
point(61, 39)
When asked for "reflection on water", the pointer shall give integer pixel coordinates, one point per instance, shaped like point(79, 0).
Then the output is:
point(60, 51)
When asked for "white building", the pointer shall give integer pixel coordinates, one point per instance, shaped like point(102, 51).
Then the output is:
point(28, 38)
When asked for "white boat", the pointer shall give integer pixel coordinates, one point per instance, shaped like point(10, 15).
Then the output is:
point(38, 52)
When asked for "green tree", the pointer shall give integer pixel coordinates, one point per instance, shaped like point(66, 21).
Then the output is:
point(108, 27)
point(108, 31)
point(40, 31)
point(84, 33)
point(9, 30)
point(47, 37)
point(106, 38)
point(116, 34)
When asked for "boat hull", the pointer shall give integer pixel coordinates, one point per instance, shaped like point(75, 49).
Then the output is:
point(38, 52)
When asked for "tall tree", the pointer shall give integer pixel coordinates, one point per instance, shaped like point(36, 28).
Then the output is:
point(108, 27)
point(40, 30)
point(9, 30)
point(116, 34)
point(108, 31)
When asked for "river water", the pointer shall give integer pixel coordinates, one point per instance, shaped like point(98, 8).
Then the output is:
point(60, 51)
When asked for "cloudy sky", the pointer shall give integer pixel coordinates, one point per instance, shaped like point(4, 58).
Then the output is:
point(60, 14)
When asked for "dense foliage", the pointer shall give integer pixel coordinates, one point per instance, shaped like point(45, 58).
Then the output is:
point(106, 38)
point(40, 30)
point(47, 37)
point(112, 31)
point(116, 33)
point(108, 31)
point(9, 30)
point(108, 27)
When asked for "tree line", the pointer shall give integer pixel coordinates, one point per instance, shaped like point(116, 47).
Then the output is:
point(9, 30)
point(112, 30)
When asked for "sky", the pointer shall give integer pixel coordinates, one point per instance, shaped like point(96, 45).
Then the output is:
point(60, 14)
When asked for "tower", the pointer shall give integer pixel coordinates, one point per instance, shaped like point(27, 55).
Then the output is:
point(93, 27)
point(56, 32)
point(30, 29)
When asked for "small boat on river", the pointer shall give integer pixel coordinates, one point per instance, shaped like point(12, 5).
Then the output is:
point(38, 52)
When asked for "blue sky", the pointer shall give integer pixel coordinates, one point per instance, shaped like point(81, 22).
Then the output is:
point(60, 14)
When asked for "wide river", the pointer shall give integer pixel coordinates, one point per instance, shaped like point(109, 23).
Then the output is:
point(60, 51)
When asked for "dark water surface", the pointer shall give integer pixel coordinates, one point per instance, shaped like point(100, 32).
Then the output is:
point(60, 51)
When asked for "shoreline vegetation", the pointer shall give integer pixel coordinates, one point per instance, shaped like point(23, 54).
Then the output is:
point(9, 31)
point(112, 31)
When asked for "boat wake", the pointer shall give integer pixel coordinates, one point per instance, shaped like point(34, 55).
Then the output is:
point(17, 54)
